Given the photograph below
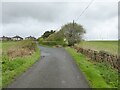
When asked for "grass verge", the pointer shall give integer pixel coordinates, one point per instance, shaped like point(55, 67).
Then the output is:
point(99, 75)
point(12, 67)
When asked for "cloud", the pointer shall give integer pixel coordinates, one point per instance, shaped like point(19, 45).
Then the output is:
point(58, 0)
point(42, 11)
point(33, 18)
point(104, 31)
point(25, 28)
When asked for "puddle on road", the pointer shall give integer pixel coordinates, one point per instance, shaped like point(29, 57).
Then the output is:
point(43, 54)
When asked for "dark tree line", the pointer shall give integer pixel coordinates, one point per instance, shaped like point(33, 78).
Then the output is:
point(47, 34)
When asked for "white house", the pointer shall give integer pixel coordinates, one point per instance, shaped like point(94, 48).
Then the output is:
point(17, 38)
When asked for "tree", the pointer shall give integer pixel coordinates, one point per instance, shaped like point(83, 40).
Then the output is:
point(73, 33)
point(47, 34)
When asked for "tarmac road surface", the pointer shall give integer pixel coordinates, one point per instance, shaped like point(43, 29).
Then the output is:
point(55, 69)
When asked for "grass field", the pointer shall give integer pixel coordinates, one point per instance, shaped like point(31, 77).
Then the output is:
point(17, 57)
point(109, 46)
point(99, 75)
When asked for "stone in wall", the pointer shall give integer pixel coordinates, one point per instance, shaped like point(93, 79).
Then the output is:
point(101, 56)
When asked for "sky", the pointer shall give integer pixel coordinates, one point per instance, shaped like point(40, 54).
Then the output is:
point(33, 17)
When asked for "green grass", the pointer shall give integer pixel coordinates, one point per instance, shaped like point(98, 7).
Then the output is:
point(99, 75)
point(109, 46)
point(12, 67)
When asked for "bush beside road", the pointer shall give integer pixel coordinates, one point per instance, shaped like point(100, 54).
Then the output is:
point(17, 57)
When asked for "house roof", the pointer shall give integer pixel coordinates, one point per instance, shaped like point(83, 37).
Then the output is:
point(5, 37)
point(31, 37)
point(17, 37)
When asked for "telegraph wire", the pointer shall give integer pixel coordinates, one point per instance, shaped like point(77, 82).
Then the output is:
point(84, 10)
point(81, 12)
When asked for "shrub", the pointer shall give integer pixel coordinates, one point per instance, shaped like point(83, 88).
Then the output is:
point(14, 66)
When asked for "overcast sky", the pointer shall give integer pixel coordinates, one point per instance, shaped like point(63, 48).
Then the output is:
point(34, 18)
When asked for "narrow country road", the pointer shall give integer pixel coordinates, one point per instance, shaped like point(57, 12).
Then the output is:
point(55, 69)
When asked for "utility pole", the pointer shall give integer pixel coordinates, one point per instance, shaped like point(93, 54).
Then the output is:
point(73, 23)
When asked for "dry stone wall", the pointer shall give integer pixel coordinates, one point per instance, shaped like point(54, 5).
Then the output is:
point(101, 56)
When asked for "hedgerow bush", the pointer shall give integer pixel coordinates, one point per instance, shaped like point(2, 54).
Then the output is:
point(22, 56)
point(53, 43)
